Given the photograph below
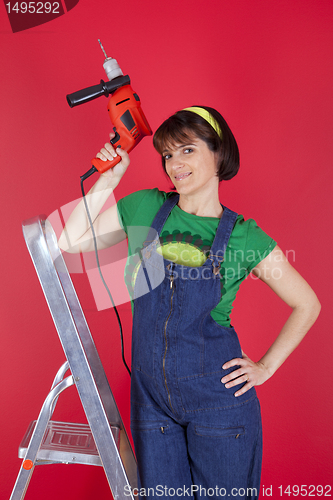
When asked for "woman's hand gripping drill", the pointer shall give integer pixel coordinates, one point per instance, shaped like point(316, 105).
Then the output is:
point(108, 152)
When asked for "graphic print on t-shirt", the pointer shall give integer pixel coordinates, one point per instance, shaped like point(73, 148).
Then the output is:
point(181, 248)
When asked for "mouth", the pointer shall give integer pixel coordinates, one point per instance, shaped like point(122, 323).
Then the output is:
point(182, 176)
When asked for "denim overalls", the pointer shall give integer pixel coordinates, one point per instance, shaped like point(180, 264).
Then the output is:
point(192, 436)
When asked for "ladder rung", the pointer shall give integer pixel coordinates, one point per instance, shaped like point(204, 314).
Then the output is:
point(66, 442)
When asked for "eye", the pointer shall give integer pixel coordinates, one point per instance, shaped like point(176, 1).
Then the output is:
point(188, 150)
point(166, 157)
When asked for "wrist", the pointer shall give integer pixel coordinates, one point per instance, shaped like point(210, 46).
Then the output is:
point(105, 181)
point(268, 367)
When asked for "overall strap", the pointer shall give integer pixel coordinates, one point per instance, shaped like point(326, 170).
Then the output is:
point(164, 212)
point(161, 217)
point(222, 236)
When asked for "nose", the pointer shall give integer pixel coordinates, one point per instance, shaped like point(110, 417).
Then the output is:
point(175, 162)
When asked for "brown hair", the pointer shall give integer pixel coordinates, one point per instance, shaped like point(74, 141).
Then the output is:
point(183, 125)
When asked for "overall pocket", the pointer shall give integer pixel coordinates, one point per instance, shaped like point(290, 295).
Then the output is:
point(219, 432)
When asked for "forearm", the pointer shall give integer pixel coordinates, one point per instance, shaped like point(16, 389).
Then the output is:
point(289, 285)
point(293, 331)
point(77, 234)
point(297, 325)
point(78, 224)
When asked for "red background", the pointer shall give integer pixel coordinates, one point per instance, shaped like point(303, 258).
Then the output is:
point(267, 66)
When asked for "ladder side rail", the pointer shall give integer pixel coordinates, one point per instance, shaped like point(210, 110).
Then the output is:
point(60, 374)
point(29, 461)
point(58, 378)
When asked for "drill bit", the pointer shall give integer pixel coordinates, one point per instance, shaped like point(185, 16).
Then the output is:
point(106, 57)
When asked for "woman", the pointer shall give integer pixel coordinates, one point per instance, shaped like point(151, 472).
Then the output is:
point(195, 416)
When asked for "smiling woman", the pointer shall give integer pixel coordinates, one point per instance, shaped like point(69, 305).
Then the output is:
point(198, 151)
point(192, 169)
point(188, 124)
point(195, 415)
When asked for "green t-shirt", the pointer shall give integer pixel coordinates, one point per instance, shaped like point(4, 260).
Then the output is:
point(186, 238)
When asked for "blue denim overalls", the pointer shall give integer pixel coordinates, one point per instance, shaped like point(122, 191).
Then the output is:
point(192, 436)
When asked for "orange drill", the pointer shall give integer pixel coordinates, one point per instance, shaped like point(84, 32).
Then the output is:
point(124, 107)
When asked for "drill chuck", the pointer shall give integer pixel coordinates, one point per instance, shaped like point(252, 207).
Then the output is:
point(111, 68)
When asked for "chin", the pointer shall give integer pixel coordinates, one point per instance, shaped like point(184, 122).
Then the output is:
point(182, 189)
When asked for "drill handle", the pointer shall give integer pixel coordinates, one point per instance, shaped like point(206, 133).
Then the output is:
point(90, 93)
point(103, 166)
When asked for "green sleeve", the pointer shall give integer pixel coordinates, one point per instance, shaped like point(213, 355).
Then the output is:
point(136, 213)
point(140, 208)
point(128, 206)
point(258, 245)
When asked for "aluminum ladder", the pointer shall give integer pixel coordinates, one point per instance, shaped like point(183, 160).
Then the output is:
point(103, 441)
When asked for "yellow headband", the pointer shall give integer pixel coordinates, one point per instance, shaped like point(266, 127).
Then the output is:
point(207, 116)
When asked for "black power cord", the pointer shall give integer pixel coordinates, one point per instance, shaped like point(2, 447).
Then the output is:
point(83, 178)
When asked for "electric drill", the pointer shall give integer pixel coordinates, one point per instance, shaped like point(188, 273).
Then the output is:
point(124, 107)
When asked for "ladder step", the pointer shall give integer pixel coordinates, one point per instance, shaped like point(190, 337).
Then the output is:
point(66, 442)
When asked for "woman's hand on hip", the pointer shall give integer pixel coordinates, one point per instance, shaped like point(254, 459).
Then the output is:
point(249, 372)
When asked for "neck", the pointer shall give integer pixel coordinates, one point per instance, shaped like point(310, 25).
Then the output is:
point(204, 206)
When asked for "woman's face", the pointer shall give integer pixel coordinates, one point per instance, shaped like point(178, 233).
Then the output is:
point(192, 167)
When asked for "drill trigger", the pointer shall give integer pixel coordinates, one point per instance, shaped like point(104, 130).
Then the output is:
point(116, 137)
